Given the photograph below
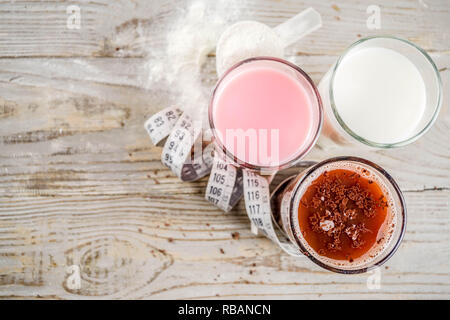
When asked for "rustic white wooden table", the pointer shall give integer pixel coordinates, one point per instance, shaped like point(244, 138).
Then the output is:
point(81, 185)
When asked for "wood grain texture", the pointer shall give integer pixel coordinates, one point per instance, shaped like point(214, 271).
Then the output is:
point(81, 184)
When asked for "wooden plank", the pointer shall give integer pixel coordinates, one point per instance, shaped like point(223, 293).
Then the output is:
point(121, 28)
point(180, 246)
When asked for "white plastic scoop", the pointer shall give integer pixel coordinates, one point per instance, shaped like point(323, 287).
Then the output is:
point(247, 39)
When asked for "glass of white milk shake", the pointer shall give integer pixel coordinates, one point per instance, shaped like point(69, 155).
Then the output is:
point(382, 92)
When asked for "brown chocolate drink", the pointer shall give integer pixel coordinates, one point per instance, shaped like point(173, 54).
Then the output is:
point(346, 214)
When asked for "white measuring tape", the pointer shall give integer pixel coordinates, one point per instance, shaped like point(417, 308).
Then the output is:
point(161, 124)
point(224, 188)
point(258, 206)
point(227, 183)
point(183, 139)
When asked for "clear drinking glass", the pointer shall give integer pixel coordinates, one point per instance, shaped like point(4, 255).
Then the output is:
point(311, 91)
point(286, 198)
point(336, 131)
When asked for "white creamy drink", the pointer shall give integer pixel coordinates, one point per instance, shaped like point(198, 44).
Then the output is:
point(379, 94)
point(383, 92)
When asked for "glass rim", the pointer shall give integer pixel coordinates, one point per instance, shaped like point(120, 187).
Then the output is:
point(398, 192)
point(380, 144)
point(281, 165)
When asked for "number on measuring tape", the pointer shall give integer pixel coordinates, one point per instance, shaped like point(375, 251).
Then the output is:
point(257, 204)
point(178, 147)
point(224, 187)
point(161, 124)
point(253, 195)
point(219, 178)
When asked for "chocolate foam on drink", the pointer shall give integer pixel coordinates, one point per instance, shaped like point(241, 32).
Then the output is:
point(386, 233)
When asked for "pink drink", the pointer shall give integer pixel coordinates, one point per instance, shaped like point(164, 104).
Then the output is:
point(272, 106)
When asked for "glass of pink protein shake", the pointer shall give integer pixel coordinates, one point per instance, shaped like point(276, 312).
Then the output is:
point(265, 113)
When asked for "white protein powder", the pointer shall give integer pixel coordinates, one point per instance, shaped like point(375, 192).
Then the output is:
point(246, 39)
